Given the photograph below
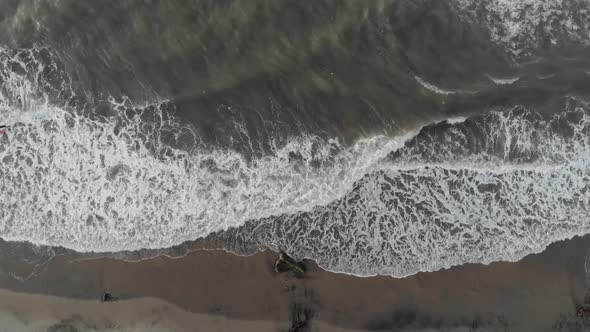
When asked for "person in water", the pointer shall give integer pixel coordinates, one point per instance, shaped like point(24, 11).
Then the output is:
point(2, 129)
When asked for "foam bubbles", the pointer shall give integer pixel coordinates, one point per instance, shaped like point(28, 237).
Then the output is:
point(524, 25)
point(110, 184)
point(478, 189)
point(490, 188)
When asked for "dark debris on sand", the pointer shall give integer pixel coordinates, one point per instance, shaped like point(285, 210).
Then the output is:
point(287, 264)
point(300, 318)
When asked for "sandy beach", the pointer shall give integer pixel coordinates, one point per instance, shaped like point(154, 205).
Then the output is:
point(218, 291)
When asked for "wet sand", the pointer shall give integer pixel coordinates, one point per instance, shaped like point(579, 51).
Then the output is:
point(27, 312)
point(218, 291)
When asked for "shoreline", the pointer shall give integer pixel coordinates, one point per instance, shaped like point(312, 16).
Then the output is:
point(501, 295)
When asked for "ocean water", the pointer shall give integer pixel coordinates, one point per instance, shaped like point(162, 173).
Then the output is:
point(384, 137)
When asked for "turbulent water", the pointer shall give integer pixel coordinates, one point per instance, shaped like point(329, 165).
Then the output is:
point(390, 137)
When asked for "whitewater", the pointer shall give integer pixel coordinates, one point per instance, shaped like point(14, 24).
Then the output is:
point(111, 185)
point(495, 185)
point(479, 189)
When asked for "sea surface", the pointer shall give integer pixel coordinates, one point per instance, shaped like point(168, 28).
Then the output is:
point(375, 137)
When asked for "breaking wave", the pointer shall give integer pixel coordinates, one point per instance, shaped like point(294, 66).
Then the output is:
point(433, 88)
point(494, 187)
point(488, 187)
point(115, 183)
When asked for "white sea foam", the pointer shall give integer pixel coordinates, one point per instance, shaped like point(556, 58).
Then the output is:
point(453, 197)
point(504, 81)
point(457, 119)
point(524, 25)
point(433, 88)
point(110, 185)
point(471, 190)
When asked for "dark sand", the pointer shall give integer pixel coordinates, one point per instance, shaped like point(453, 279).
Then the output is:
point(218, 291)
